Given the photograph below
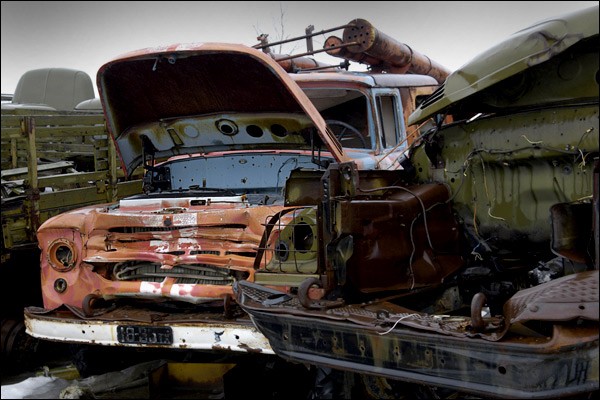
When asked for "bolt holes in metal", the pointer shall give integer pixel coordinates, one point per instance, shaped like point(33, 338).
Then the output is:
point(254, 130)
point(227, 127)
point(60, 285)
point(278, 130)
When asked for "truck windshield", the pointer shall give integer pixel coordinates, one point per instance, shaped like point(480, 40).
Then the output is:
point(345, 112)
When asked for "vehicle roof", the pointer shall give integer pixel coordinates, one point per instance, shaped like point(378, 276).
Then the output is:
point(365, 79)
point(522, 50)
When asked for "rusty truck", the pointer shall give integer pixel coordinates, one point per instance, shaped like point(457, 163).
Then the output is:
point(218, 129)
point(290, 212)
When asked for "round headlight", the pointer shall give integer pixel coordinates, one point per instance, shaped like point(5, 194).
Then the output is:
point(62, 255)
point(303, 237)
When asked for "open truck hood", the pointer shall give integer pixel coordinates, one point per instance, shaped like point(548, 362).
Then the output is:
point(205, 97)
point(524, 49)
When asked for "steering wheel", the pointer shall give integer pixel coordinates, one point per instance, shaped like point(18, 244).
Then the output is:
point(346, 132)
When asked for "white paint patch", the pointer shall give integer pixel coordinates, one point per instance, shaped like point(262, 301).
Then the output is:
point(160, 246)
point(151, 288)
point(181, 290)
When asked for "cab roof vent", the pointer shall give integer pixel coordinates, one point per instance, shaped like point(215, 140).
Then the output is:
point(435, 96)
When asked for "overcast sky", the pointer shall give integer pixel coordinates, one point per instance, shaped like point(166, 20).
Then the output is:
point(85, 35)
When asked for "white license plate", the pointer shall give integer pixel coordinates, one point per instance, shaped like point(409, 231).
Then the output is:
point(139, 334)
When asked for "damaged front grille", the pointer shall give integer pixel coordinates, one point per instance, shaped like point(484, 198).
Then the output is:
point(184, 273)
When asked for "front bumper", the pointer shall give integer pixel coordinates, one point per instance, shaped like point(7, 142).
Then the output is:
point(237, 335)
point(430, 350)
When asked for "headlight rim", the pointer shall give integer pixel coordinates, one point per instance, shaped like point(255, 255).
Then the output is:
point(54, 259)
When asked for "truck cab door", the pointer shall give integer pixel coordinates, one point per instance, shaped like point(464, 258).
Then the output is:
point(390, 127)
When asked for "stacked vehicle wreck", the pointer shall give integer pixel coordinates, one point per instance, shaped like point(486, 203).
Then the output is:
point(464, 260)
point(219, 128)
point(475, 268)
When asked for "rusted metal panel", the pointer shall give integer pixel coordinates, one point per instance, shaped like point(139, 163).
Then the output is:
point(366, 44)
point(220, 237)
point(383, 257)
point(373, 339)
point(567, 298)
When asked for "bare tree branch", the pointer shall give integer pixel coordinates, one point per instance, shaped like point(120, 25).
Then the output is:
point(279, 28)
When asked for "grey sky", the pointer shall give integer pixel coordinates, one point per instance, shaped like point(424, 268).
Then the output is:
point(85, 35)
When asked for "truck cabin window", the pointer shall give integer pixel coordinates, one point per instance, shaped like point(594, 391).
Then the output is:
point(388, 120)
point(345, 112)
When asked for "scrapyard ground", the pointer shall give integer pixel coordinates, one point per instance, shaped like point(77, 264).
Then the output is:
point(47, 370)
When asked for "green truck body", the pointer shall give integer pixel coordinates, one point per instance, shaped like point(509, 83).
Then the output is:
point(56, 156)
point(33, 191)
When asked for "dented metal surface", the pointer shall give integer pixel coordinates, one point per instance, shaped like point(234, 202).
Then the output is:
point(567, 298)
point(150, 251)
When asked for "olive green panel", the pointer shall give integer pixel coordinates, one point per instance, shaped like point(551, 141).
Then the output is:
point(524, 50)
point(506, 172)
point(59, 136)
point(278, 279)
